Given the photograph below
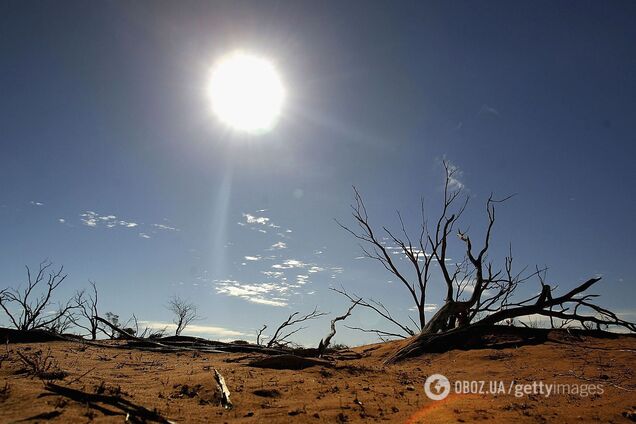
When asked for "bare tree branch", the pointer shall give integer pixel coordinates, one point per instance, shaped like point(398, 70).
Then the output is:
point(379, 308)
point(281, 340)
point(324, 343)
point(259, 334)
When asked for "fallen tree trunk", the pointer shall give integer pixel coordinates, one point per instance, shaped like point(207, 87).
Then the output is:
point(471, 337)
point(490, 337)
point(289, 362)
point(124, 334)
point(133, 413)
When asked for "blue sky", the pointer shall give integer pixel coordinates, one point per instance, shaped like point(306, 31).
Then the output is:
point(112, 164)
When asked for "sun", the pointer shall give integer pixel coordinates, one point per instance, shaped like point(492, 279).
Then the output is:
point(246, 92)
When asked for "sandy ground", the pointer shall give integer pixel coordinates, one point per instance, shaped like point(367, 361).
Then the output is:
point(181, 387)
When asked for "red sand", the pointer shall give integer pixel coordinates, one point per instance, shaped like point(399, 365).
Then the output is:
point(181, 386)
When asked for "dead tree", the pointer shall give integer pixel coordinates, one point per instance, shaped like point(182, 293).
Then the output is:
point(184, 313)
point(280, 338)
point(87, 307)
point(26, 308)
point(259, 334)
point(324, 343)
point(478, 291)
point(421, 253)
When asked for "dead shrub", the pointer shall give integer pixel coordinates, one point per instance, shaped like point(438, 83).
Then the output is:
point(42, 365)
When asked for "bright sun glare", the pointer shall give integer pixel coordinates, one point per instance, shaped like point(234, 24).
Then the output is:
point(246, 93)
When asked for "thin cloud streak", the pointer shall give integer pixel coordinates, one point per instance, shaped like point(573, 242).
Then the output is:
point(193, 329)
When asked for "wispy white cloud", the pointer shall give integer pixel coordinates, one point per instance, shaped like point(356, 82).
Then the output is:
point(34, 203)
point(428, 307)
point(165, 227)
point(263, 293)
point(290, 263)
point(454, 182)
point(397, 250)
point(93, 219)
point(314, 269)
point(251, 219)
point(469, 289)
point(89, 219)
point(259, 222)
point(271, 302)
point(194, 329)
point(274, 274)
point(283, 276)
point(279, 246)
point(302, 279)
point(489, 110)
